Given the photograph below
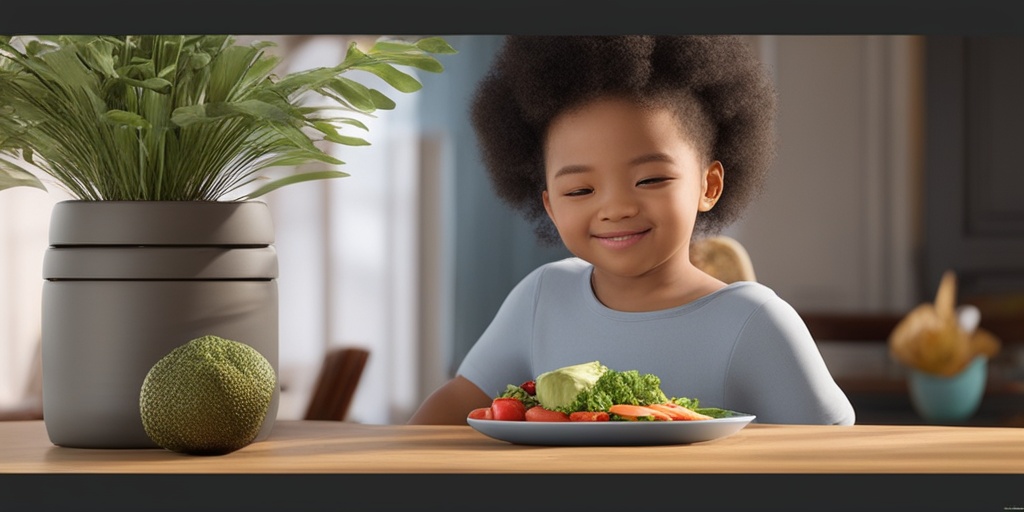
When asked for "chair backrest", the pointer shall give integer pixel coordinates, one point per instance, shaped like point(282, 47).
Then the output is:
point(337, 383)
point(722, 257)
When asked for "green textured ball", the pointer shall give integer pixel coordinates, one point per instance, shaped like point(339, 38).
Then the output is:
point(207, 397)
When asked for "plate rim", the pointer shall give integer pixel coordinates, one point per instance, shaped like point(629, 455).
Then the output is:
point(737, 418)
point(664, 432)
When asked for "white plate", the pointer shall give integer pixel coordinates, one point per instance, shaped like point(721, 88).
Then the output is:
point(611, 433)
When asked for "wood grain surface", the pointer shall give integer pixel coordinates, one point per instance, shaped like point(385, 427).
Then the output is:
point(342, 447)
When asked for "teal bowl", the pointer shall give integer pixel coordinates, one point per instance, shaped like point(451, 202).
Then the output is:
point(952, 399)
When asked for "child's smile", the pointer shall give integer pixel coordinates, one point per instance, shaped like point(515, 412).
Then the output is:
point(621, 239)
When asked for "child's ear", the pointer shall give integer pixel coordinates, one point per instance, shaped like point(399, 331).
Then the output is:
point(547, 205)
point(711, 185)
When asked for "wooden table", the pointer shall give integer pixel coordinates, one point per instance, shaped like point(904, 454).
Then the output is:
point(337, 448)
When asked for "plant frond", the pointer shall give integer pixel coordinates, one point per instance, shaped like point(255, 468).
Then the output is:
point(182, 117)
point(13, 175)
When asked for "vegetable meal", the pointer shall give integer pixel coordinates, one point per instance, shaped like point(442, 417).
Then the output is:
point(593, 392)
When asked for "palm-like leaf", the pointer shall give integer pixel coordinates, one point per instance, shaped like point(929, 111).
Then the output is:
point(177, 117)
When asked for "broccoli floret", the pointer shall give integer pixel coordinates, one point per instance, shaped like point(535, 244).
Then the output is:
point(689, 403)
point(513, 391)
point(615, 387)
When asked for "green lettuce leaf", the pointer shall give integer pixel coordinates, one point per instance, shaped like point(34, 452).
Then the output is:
point(619, 387)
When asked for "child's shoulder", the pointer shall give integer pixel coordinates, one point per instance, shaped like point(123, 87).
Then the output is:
point(748, 294)
point(558, 273)
point(751, 297)
point(569, 268)
point(751, 291)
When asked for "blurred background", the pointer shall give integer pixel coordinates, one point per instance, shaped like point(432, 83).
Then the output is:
point(895, 163)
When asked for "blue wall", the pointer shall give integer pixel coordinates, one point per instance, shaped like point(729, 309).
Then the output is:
point(493, 246)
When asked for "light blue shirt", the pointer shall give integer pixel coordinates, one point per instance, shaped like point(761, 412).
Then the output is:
point(740, 348)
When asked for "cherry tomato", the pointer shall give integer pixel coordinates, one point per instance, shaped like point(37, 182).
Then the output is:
point(508, 409)
point(530, 387)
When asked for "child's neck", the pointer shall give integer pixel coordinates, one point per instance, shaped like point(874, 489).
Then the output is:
point(654, 291)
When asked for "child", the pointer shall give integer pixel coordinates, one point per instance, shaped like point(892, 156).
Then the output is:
point(624, 148)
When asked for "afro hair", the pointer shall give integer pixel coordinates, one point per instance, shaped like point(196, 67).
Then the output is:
point(534, 79)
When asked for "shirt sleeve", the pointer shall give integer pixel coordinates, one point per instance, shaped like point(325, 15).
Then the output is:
point(777, 373)
point(501, 356)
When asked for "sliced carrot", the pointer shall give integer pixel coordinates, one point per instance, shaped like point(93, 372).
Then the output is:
point(678, 412)
point(538, 413)
point(635, 412)
point(589, 416)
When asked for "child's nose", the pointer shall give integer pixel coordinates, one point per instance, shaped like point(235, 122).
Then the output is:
point(618, 206)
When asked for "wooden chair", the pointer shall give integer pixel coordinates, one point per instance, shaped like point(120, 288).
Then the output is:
point(722, 257)
point(337, 383)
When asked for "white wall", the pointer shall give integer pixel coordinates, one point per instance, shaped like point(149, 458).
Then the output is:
point(836, 228)
point(349, 258)
point(24, 224)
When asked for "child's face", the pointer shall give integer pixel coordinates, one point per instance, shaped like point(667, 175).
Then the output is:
point(624, 185)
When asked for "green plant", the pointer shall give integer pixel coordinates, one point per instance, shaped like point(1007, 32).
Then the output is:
point(183, 117)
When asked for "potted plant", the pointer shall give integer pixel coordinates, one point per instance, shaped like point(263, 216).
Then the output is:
point(946, 353)
point(165, 142)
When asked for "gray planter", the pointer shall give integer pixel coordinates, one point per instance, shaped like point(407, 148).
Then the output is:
point(128, 281)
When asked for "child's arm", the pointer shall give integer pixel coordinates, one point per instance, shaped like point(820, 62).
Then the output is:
point(451, 403)
point(777, 372)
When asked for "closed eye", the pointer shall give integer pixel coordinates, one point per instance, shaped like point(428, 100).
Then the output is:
point(579, 192)
point(652, 181)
